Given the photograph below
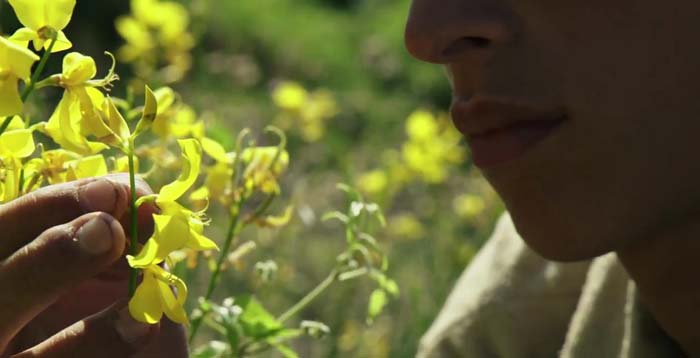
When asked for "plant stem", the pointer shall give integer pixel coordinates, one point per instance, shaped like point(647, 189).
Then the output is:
point(134, 217)
point(35, 77)
point(233, 229)
point(309, 297)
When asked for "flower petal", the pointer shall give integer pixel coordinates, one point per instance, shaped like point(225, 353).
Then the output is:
point(170, 234)
point(145, 257)
point(18, 143)
point(87, 167)
point(62, 43)
point(23, 35)
point(146, 306)
point(31, 13)
point(58, 12)
point(172, 304)
point(214, 150)
point(77, 69)
point(64, 126)
point(10, 102)
point(200, 242)
point(192, 157)
point(17, 59)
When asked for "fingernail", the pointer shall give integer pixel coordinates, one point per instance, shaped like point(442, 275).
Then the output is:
point(131, 331)
point(95, 236)
point(98, 195)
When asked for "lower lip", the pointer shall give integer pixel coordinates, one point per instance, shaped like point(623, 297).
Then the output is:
point(506, 144)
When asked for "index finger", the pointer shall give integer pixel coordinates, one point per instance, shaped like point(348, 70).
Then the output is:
point(26, 217)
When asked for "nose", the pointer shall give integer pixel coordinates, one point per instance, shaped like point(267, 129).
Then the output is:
point(444, 31)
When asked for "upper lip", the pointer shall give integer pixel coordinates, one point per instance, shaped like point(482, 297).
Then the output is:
point(481, 115)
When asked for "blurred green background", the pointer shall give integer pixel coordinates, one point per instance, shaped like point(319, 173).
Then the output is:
point(352, 50)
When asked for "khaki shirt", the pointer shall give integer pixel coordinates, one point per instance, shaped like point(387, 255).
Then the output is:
point(510, 302)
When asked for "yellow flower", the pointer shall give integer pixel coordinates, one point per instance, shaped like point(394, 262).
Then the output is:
point(85, 112)
point(51, 166)
point(15, 63)
point(170, 18)
point(290, 96)
point(155, 296)
point(309, 110)
point(155, 24)
point(121, 164)
point(217, 184)
point(219, 181)
point(69, 125)
point(138, 38)
point(406, 226)
point(468, 205)
point(175, 120)
point(175, 227)
point(373, 182)
point(41, 18)
point(14, 145)
point(86, 167)
point(60, 166)
point(432, 146)
point(260, 172)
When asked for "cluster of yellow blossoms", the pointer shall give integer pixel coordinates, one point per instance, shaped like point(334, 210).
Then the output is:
point(431, 149)
point(88, 125)
point(304, 110)
point(156, 32)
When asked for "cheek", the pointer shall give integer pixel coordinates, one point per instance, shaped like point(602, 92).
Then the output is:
point(622, 168)
point(616, 173)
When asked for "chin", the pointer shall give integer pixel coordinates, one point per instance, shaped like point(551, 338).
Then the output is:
point(556, 239)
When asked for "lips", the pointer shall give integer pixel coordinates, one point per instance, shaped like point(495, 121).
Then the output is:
point(500, 131)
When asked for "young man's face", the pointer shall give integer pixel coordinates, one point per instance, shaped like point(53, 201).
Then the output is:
point(601, 100)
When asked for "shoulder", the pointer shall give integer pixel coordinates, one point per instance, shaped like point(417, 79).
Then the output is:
point(497, 307)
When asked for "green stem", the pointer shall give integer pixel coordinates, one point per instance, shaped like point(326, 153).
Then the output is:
point(261, 209)
point(35, 77)
point(252, 348)
point(233, 229)
point(309, 297)
point(134, 218)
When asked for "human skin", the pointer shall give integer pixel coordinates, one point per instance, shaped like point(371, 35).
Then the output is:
point(618, 175)
point(65, 278)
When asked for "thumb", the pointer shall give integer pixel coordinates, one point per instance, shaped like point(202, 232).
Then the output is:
point(109, 333)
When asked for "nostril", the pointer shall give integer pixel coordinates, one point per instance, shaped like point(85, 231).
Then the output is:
point(466, 44)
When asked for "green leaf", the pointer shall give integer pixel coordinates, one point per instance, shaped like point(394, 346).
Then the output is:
point(335, 215)
point(377, 300)
point(354, 194)
point(286, 351)
point(385, 283)
point(392, 287)
point(371, 243)
point(315, 329)
point(212, 349)
point(256, 321)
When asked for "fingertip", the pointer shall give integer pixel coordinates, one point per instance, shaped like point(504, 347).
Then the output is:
point(142, 187)
point(102, 195)
point(99, 234)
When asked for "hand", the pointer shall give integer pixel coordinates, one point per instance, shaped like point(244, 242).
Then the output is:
point(64, 277)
